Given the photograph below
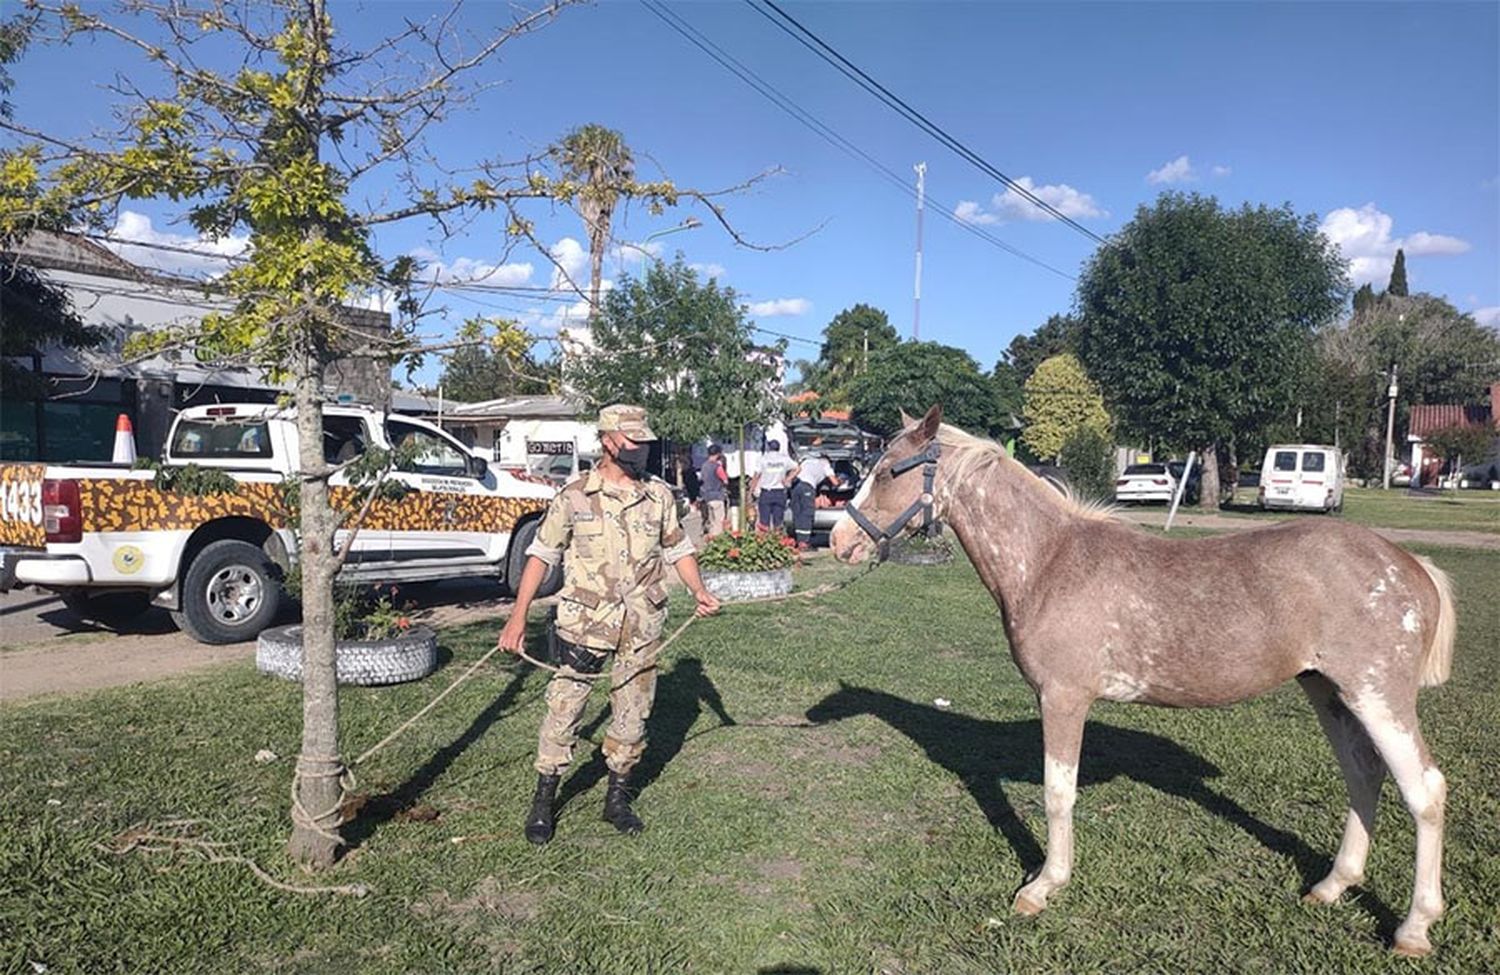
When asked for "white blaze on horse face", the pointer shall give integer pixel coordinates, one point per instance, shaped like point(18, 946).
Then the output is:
point(863, 494)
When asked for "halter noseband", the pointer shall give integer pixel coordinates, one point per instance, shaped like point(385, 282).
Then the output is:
point(927, 460)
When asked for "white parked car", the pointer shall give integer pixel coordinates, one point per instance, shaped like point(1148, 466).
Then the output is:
point(1302, 477)
point(1152, 482)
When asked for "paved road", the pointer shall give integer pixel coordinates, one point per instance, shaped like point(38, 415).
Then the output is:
point(1402, 536)
point(45, 649)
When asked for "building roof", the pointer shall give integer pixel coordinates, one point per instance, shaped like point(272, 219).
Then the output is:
point(1427, 417)
point(513, 407)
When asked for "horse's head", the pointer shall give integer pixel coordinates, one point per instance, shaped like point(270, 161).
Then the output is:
point(894, 489)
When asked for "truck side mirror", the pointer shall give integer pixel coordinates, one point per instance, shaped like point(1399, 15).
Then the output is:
point(478, 467)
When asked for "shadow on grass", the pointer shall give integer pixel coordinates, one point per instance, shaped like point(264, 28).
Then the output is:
point(378, 810)
point(681, 694)
point(985, 753)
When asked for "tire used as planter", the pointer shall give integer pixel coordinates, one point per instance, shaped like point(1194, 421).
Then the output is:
point(733, 587)
point(367, 663)
point(230, 593)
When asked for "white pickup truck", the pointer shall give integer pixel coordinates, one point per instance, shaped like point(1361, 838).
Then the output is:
point(110, 542)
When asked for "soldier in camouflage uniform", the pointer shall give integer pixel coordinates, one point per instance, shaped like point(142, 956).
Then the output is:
point(614, 529)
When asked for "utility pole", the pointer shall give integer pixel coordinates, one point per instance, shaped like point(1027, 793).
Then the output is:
point(916, 313)
point(866, 367)
point(1390, 426)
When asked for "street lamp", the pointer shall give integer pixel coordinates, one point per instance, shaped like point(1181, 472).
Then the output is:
point(691, 223)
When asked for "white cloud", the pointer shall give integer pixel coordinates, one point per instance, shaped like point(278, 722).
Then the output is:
point(1487, 316)
point(1179, 170)
point(571, 257)
point(780, 306)
point(1221, 171)
point(1422, 242)
point(1011, 205)
point(971, 212)
point(1364, 238)
point(470, 270)
point(209, 256)
point(709, 270)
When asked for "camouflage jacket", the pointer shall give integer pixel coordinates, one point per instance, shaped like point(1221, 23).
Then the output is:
point(614, 542)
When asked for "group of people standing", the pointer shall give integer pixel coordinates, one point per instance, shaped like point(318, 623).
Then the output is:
point(780, 478)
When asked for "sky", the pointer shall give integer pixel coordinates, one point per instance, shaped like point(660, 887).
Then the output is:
point(1382, 120)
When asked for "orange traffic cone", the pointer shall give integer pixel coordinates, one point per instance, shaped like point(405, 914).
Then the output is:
point(124, 441)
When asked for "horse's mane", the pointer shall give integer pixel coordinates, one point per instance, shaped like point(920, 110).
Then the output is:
point(976, 455)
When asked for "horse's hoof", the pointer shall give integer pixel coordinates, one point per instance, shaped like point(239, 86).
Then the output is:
point(1412, 949)
point(1315, 896)
point(1026, 907)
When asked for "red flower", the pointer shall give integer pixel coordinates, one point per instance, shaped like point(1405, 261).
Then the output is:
point(736, 534)
point(734, 553)
point(402, 622)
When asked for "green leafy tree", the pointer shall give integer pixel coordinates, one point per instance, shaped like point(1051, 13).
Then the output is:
point(1364, 299)
point(1441, 355)
point(1058, 334)
point(684, 350)
point(1060, 401)
point(850, 340)
point(276, 144)
point(912, 376)
point(596, 160)
point(1198, 322)
point(476, 373)
point(1397, 285)
point(1460, 443)
point(1088, 457)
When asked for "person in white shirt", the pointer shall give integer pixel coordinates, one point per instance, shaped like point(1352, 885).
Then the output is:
point(813, 470)
point(777, 471)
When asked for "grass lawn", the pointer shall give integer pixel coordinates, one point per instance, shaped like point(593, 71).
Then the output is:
point(1466, 511)
point(809, 808)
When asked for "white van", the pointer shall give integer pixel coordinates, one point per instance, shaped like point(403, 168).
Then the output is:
point(1302, 477)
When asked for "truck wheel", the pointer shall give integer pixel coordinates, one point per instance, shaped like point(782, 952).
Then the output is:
point(113, 609)
point(515, 563)
point(231, 592)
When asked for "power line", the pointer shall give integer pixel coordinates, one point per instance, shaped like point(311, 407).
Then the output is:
point(826, 132)
point(794, 29)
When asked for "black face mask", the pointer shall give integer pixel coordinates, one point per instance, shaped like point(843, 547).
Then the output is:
point(632, 460)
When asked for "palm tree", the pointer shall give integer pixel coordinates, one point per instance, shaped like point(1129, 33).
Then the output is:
point(599, 159)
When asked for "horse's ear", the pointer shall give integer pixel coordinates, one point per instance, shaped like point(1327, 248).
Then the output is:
point(932, 421)
point(906, 421)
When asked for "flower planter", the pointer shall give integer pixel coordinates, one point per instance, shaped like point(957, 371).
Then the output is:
point(739, 586)
point(393, 660)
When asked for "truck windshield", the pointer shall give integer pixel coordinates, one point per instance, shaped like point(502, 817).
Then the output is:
point(229, 440)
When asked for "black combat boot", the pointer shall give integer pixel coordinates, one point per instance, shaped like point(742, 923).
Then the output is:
point(617, 805)
point(539, 820)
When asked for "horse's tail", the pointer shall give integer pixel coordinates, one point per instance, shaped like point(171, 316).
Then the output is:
point(1437, 658)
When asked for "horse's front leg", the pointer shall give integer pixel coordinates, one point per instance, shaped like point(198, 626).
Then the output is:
point(1063, 714)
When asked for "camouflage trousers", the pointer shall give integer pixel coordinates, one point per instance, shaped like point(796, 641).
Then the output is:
point(631, 692)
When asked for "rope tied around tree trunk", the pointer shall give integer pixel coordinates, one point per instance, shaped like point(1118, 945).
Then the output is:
point(321, 767)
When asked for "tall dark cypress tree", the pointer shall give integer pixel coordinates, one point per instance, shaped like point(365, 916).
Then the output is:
point(1363, 298)
point(1398, 276)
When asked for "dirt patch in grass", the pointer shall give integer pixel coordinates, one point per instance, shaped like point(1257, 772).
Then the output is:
point(487, 899)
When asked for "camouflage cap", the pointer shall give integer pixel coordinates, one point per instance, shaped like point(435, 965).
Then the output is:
point(627, 419)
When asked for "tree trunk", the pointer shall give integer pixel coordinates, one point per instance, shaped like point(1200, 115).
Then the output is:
point(316, 814)
point(1208, 486)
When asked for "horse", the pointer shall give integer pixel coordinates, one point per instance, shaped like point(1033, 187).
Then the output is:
point(1094, 608)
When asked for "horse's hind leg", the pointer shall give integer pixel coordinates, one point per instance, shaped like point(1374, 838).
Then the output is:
point(1363, 772)
point(1390, 717)
point(1063, 715)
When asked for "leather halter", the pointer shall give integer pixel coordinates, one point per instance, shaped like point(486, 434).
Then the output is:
point(927, 460)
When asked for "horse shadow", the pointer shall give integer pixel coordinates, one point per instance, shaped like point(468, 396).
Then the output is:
point(983, 754)
point(681, 695)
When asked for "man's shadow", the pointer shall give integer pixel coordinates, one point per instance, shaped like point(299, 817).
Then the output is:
point(984, 753)
point(380, 809)
point(681, 694)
